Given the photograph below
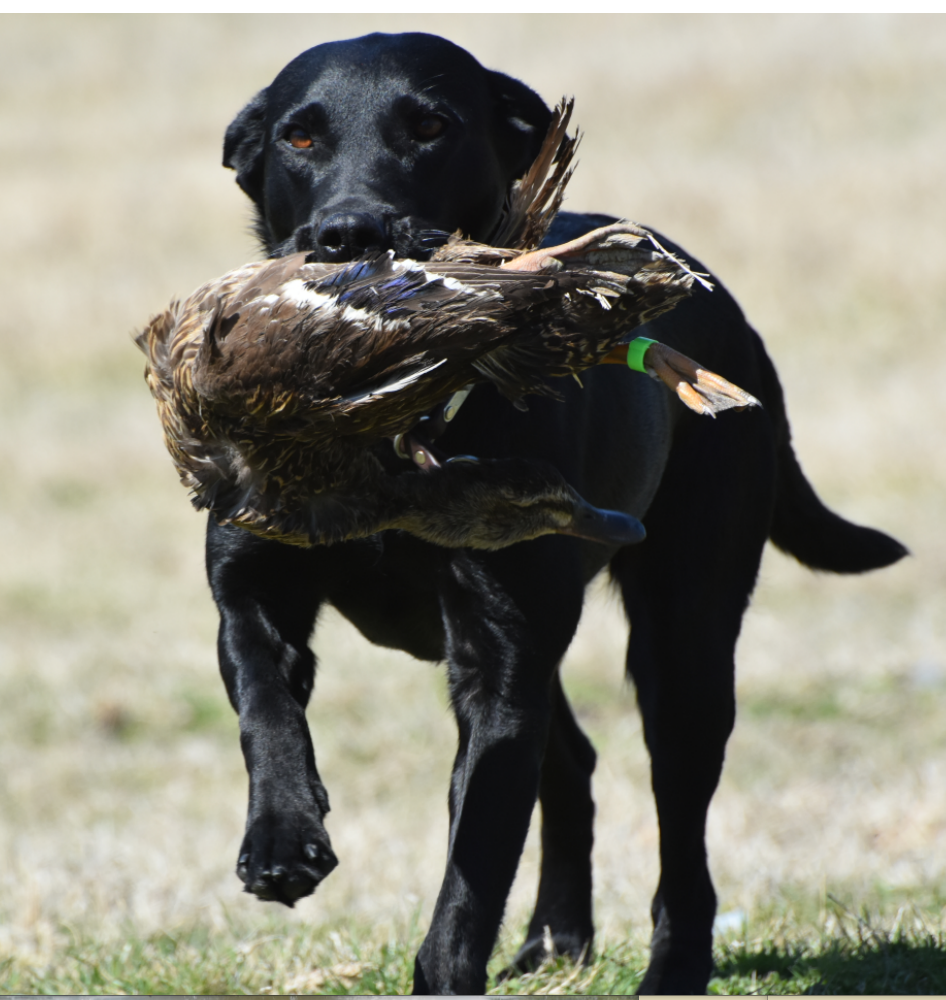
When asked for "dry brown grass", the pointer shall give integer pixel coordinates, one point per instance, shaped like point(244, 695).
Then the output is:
point(800, 157)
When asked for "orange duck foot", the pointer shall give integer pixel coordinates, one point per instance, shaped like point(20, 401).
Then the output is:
point(701, 390)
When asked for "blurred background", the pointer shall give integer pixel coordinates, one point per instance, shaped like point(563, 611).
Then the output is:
point(801, 158)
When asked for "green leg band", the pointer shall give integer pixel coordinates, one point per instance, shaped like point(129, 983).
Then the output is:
point(636, 350)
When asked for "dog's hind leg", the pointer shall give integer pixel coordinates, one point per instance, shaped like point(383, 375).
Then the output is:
point(685, 591)
point(508, 619)
point(563, 904)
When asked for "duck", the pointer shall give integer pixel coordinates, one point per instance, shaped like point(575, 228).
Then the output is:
point(276, 383)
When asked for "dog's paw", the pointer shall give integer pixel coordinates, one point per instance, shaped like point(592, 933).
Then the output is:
point(282, 860)
point(537, 950)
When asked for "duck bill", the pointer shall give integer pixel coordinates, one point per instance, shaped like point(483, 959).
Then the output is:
point(607, 527)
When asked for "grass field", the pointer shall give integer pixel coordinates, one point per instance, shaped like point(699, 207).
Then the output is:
point(846, 954)
point(802, 159)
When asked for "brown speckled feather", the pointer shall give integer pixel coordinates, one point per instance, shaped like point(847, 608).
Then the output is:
point(534, 200)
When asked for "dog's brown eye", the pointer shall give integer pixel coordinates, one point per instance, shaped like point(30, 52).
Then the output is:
point(299, 139)
point(429, 127)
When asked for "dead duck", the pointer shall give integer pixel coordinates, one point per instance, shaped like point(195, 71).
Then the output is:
point(274, 382)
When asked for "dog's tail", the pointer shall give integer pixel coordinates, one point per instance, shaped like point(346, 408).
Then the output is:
point(801, 524)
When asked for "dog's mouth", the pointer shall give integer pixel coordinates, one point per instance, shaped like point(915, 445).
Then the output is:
point(408, 237)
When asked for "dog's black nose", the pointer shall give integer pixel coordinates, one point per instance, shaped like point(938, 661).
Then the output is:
point(347, 235)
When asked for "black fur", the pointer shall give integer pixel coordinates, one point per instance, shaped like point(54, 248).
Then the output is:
point(710, 492)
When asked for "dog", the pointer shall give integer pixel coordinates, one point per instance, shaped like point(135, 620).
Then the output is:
point(393, 142)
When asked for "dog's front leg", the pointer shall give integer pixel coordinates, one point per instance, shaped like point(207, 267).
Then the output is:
point(508, 619)
point(267, 596)
point(563, 907)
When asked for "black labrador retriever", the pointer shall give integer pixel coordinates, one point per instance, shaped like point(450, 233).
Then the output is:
point(393, 141)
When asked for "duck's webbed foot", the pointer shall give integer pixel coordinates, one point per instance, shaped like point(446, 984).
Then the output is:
point(701, 390)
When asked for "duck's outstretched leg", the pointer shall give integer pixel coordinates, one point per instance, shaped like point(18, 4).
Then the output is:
point(701, 390)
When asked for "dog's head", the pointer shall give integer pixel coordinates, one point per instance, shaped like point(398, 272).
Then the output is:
point(388, 141)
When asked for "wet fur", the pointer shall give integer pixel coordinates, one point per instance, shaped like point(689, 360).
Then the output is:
point(710, 493)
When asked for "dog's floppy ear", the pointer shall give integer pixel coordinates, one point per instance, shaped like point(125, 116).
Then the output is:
point(522, 119)
point(244, 146)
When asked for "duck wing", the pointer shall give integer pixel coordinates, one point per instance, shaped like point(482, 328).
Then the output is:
point(321, 351)
point(534, 200)
point(531, 205)
point(279, 372)
point(597, 289)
